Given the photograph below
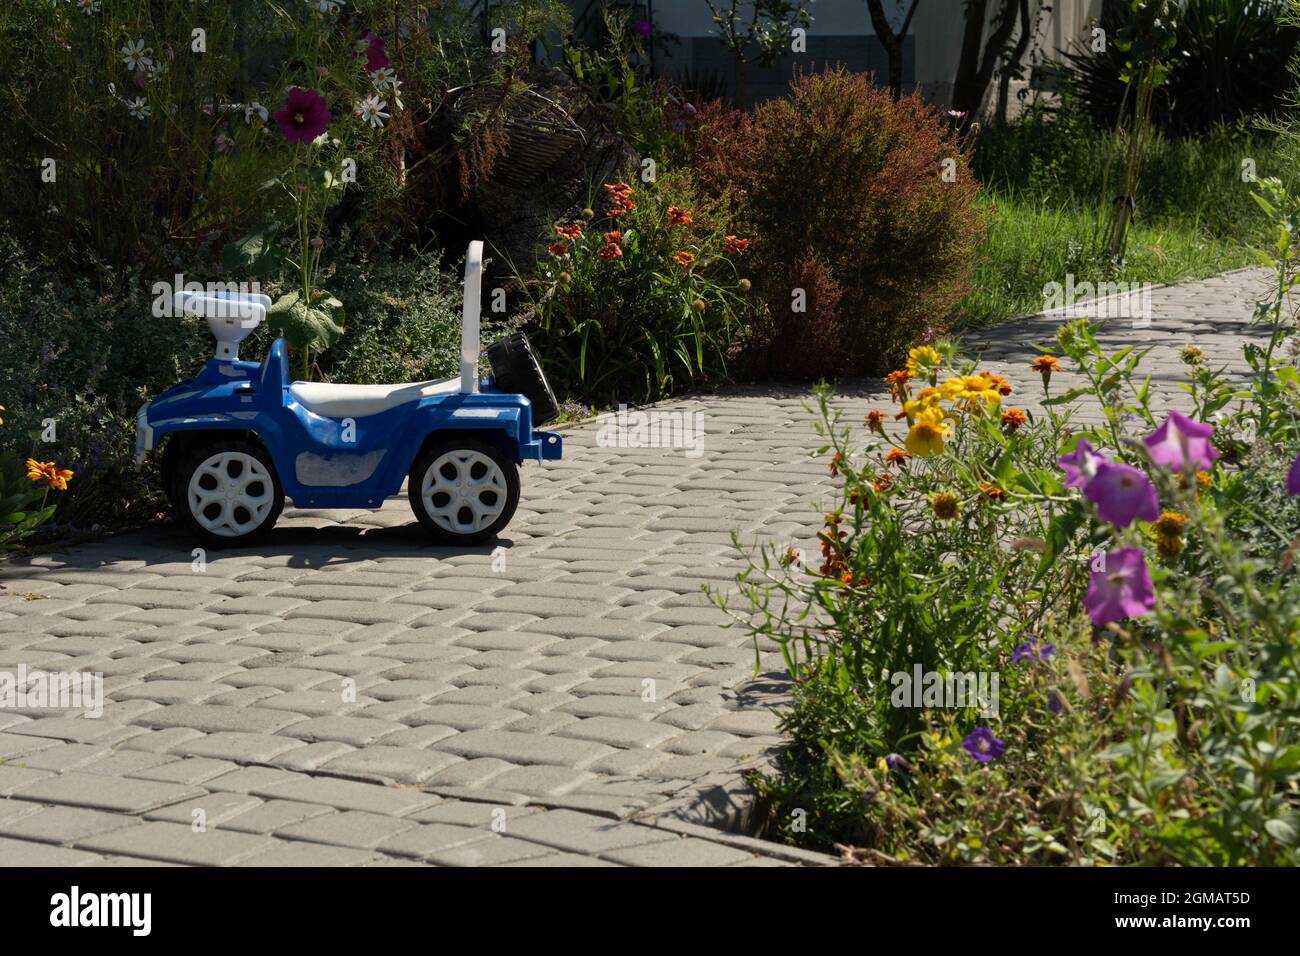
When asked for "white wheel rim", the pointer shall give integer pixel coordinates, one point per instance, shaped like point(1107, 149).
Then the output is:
point(463, 491)
point(230, 494)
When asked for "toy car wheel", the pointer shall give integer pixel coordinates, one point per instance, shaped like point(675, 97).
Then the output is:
point(515, 369)
point(228, 492)
point(463, 490)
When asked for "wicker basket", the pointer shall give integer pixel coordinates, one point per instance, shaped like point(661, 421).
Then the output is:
point(540, 130)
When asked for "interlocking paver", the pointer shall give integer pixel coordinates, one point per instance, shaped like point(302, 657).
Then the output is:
point(177, 843)
point(121, 794)
point(353, 828)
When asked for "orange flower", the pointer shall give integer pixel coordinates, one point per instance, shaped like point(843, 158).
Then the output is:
point(620, 195)
point(897, 456)
point(616, 238)
point(679, 217)
point(610, 251)
point(1045, 365)
point(875, 421)
point(1000, 383)
point(569, 232)
point(897, 382)
point(991, 492)
point(557, 249)
point(1013, 418)
point(48, 472)
point(882, 484)
point(735, 245)
point(684, 259)
point(835, 464)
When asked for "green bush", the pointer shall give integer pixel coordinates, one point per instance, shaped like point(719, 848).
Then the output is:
point(86, 360)
point(405, 319)
point(1230, 62)
point(1141, 612)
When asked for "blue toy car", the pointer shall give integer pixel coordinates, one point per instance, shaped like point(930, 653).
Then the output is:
point(240, 436)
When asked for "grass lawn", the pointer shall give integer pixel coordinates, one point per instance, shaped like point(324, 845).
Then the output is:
point(1032, 242)
point(1042, 186)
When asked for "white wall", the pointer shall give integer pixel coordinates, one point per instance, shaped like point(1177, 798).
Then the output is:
point(936, 29)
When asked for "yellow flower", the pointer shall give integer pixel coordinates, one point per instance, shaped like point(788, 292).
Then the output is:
point(944, 505)
point(922, 360)
point(919, 408)
point(2, 408)
point(47, 471)
point(926, 435)
point(973, 391)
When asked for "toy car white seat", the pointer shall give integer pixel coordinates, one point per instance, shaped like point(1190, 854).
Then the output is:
point(331, 400)
point(358, 401)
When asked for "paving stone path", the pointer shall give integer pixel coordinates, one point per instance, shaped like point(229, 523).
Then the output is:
point(347, 694)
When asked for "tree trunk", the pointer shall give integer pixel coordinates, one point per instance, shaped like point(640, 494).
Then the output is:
point(1018, 54)
point(975, 67)
point(891, 41)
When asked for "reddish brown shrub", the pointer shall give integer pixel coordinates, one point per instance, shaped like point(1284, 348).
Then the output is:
point(801, 338)
point(842, 175)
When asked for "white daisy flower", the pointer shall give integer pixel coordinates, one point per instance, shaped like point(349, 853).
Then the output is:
point(383, 77)
point(88, 6)
point(139, 108)
point(136, 57)
point(326, 6)
point(371, 110)
point(254, 109)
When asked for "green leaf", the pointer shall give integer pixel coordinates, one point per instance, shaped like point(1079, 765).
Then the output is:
point(1283, 831)
point(255, 254)
point(302, 327)
point(1065, 397)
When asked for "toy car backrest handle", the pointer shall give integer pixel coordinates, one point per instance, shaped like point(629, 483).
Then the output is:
point(470, 318)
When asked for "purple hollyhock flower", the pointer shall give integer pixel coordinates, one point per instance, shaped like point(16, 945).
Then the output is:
point(1032, 651)
point(376, 52)
point(1122, 493)
point(1122, 588)
point(982, 745)
point(1293, 478)
point(1080, 466)
point(304, 117)
point(1181, 444)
